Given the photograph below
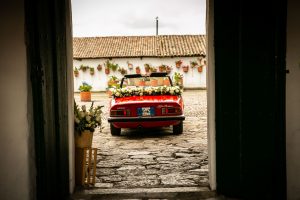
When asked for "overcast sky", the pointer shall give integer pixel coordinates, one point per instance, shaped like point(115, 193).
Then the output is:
point(137, 17)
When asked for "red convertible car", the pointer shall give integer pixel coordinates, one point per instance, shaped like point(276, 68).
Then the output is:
point(144, 101)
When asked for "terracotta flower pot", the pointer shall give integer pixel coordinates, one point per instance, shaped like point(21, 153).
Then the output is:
point(185, 68)
point(200, 69)
point(84, 140)
point(147, 69)
point(161, 69)
point(85, 96)
point(107, 71)
point(137, 71)
point(178, 65)
point(99, 67)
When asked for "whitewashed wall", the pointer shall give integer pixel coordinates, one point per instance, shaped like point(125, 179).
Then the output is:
point(192, 79)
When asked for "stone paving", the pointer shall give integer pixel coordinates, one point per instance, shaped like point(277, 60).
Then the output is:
point(154, 158)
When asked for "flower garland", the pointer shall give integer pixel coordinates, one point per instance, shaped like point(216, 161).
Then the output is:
point(146, 91)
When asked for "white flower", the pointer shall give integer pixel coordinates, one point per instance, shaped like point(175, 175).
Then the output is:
point(81, 114)
point(88, 118)
point(141, 94)
point(98, 119)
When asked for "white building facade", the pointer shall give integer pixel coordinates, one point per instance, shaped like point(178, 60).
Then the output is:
point(138, 51)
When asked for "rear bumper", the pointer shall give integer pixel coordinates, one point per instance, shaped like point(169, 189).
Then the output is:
point(146, 119)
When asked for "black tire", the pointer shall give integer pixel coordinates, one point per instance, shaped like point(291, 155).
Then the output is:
point(178, 129)
point(115, 131)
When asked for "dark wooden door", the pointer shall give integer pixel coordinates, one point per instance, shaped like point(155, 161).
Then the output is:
point(250, 91)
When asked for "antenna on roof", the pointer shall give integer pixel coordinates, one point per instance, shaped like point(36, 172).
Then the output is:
point(156, 25)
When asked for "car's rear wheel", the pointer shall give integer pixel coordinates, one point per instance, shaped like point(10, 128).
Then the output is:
point(178, 129)
point(115, 131)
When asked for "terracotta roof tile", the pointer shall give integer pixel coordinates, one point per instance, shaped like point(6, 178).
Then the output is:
point(139, 46)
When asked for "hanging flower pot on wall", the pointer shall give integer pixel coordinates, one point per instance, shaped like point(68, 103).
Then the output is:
point(185, 68)
point(76, 72)
point(137, 70)
point(178, 63)
point(147, 68)
point(169, 69)
point(200, 68)
point(92, 71)
point(107, 71)
point(99, 67)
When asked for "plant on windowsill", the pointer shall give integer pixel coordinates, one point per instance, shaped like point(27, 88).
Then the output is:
point(85, 123)
point(85, 92)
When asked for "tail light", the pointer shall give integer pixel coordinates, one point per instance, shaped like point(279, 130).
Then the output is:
point(120, 113)
point(170, 110)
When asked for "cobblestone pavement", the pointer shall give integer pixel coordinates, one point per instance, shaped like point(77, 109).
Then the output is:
point(154, 157)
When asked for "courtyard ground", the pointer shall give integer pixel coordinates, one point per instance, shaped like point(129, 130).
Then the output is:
point(154, 158)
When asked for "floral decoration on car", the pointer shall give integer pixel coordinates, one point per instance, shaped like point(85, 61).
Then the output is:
point(146, 91)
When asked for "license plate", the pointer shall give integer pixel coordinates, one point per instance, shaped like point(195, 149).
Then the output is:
point(145, 111)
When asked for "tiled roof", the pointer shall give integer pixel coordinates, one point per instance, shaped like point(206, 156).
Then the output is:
point(139, 46)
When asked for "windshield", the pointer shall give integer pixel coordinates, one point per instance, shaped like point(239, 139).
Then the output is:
point(146, 82)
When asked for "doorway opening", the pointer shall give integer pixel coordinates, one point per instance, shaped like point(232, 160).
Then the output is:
point(154, 158)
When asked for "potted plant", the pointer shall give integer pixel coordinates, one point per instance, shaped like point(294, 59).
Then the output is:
point(85, 92)
point(85, 123)
point(178, 79)
point(92, 71)
point(162, 68)
point(178, 63)
point(76, 72)
point(153, 69)
point(112, 81)
point(122, 70)
point(147, 67)
point(200, 68)
point(130, 66)
point(107, 70)
point(168, 69)
point(185, 68)
point(194, 64)
point(99, 67)
point(137, 70)
point(83, 68)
